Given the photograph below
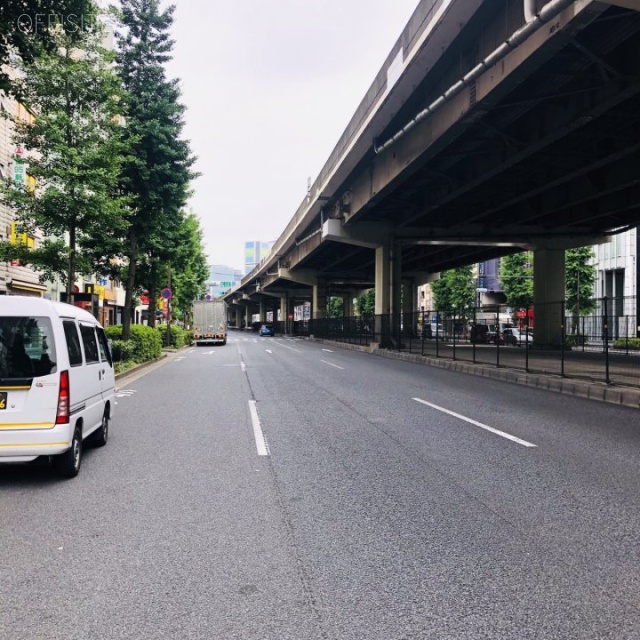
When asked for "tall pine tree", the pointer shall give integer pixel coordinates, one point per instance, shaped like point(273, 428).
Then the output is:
point(157, 178)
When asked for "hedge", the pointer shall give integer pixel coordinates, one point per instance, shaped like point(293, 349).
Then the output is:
point(633, 344)
point(146, 342)
point(178, 336)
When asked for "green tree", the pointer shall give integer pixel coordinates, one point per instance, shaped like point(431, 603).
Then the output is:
point(580, 278)
point(516, 277)
point(157, 178)
point(334, 307)
point(189, 268)
point(455, 291)
point(75, 150)
point(29, 27)
point(366, 303)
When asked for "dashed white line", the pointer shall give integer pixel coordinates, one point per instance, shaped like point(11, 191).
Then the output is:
point(328, 350)
point(508, 436)
point(286, 346)
point(243, 366)
point(268, 351)
point(331, 364)
point(261, 441)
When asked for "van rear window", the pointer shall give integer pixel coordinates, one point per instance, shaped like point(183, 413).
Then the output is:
point(27, 348)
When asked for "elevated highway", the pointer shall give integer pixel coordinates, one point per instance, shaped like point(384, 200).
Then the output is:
point(492, 127)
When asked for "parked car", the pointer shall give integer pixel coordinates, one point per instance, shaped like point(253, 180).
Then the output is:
point(57, 384)
point(479, 334)
point(517, 337)
point(437, 330)
point(266, 330)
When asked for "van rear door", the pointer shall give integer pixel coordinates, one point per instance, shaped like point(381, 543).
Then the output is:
point(28, 373)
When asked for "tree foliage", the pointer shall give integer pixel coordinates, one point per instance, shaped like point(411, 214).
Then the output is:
point(516, 277)
point(190, 267)
point(366, 303)
point(334, 307)
point(580, 278)
point(29, 27)
point(455, 291)
point(75, 150)
point(157, 178)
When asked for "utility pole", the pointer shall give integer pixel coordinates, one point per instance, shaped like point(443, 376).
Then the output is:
point(169, 305)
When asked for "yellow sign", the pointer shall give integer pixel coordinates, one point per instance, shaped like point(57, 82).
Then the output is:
point(19, 235)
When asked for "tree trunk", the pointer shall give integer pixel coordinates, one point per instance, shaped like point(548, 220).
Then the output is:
point(71, 273)
point(153, 296)
point(131, 279)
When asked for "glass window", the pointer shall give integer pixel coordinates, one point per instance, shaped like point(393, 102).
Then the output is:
point(103, 345)
point(27, 349)
point(73, 342)
point(90, 343)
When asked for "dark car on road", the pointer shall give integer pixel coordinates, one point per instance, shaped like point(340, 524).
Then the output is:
point(266, 330)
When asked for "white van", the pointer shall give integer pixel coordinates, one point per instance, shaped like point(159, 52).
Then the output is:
point(57, 384)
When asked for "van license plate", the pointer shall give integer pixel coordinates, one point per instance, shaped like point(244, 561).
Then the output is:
point(3, 400)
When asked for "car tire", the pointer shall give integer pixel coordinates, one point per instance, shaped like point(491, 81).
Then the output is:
point(68, 464)
point(101, 435)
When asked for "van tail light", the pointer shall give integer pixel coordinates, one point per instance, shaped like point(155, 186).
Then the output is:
point(64, 403)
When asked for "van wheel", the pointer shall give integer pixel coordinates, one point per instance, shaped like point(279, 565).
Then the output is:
point(101, 435)
point(67, 464)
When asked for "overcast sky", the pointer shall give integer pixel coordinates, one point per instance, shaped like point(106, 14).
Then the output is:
point(269, 86)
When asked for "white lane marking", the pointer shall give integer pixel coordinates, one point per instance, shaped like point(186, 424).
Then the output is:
point(209, 353)
point(268, 351)
point(243, 366)
point(328, 350)
point(286, 346)
point(121, 393)
point(508, 436)
point(261, 441)
point(331, 364)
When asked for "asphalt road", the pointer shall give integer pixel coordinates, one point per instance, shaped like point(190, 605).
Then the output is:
point(278, 489)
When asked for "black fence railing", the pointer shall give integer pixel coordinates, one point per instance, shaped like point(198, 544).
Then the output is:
point(600, 344)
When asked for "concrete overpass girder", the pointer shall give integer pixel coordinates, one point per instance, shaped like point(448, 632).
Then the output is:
point(364, 234)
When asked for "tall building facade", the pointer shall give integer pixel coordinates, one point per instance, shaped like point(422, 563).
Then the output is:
point(15, 279)
point(254, 252)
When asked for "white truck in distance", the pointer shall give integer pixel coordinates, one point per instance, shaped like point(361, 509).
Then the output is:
point(209, 322)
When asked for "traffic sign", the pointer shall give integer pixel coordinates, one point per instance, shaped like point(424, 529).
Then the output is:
point(166, 293)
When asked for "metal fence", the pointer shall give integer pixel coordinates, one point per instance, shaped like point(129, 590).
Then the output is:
point(601, 345)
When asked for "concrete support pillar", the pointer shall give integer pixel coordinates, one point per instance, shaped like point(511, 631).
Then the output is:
point(291, 303)
point(263, 312)
point(247, 316)
point(548, 297)
point(348, 305)
point(396, 292)
point(383, 294)
point(383, 280)
point(409, 305)
point(319, 302)
point(284, 316)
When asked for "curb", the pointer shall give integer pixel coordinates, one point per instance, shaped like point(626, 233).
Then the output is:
point(138, 367)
